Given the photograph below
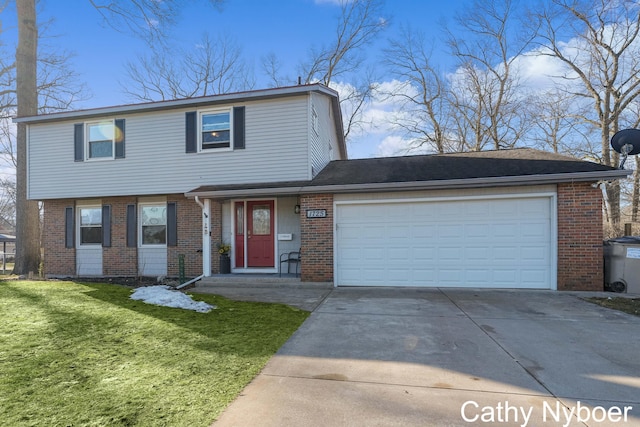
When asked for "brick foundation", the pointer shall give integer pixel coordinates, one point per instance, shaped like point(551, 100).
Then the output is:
point(580, 263)
point(317, 239)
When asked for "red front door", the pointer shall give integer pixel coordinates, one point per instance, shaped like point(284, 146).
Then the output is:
point(260, 241)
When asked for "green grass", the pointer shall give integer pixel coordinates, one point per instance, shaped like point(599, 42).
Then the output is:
point(628, 305)
point(86, 355)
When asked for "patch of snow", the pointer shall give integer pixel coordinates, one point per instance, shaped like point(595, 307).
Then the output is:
point(165, 296)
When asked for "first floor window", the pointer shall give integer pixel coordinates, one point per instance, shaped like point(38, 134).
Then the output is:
point(90, 225)
point(153, 224)
point(100, 140)
point(215, 130)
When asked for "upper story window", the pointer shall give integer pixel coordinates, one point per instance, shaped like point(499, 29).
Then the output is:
point(90, 225)
point(100, 140)
point(215, 129)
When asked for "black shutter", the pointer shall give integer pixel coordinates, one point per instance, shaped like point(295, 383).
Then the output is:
point(68, 228)
point(119, 138)
point(238, 128)
point(191, 136)
point(78, 142)
point(106, 226)
point(172, 224)
point(132, 230)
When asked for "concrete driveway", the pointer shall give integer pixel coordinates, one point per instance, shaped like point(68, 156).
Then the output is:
point(444, 357)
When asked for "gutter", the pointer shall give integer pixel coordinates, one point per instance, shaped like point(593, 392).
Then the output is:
point(237, 97)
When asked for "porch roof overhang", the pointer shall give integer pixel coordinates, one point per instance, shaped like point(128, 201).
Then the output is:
point(517, 167)
point(308, 187)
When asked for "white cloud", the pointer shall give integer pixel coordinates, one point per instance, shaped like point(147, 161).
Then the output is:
point(394, 145)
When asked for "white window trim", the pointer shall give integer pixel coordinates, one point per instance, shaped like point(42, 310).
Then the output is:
point(139, 220)
point(215, 111)
point(79, 226)
point(87, 142)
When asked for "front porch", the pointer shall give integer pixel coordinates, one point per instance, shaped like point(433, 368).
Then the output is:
point(270, 288)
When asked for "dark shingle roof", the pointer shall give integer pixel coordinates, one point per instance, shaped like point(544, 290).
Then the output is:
point(523, 166)
point(483, 164)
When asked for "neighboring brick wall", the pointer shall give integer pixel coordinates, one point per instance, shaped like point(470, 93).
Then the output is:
point(189, 238)
point(119, 260)
point(580, 263)
point(316, 239)
point(58, 260)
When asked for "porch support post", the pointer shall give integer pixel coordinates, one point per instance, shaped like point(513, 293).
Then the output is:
point(206, 238)
point(206, 235)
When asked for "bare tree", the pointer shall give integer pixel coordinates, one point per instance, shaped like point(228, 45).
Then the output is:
point(359, 22)
point(213, 66)
point(148, 18)
point(489, 106)
point(28, 215)
point(272, 68)
point(558, 125)
point(602, 63)
point(421, 93)
point(358, 25)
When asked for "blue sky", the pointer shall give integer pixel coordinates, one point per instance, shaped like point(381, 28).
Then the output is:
point(287, 28)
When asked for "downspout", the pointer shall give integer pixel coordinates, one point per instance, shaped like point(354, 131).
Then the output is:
point(185, 284)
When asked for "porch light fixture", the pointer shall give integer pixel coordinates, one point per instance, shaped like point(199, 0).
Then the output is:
point(296, 209)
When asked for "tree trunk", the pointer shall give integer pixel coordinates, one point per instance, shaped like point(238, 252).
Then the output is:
point(27, 213)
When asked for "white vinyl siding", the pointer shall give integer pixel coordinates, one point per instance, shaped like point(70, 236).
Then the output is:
point(276, 139)
point(479, 241)
point(322, 144)
point(152, 261)
point(89, 261)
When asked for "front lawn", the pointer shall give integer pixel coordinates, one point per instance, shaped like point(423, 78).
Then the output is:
point(85, 354)
point(628, 305)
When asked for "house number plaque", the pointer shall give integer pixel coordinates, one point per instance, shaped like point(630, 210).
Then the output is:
point(316, 213)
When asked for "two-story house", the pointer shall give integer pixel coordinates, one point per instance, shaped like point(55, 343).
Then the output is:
point(138, 190)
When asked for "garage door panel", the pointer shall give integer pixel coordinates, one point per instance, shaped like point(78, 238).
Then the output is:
point(501, 243)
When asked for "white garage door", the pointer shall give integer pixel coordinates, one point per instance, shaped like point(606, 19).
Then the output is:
point(489, 243)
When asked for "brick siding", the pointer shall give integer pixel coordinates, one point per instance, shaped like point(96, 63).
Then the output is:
point(580, 263)
point(316, 239)
point(118, 260)
point(189, 216)
point(57, 260)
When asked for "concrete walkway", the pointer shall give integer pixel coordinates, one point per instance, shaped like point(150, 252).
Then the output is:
point(442, 357)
